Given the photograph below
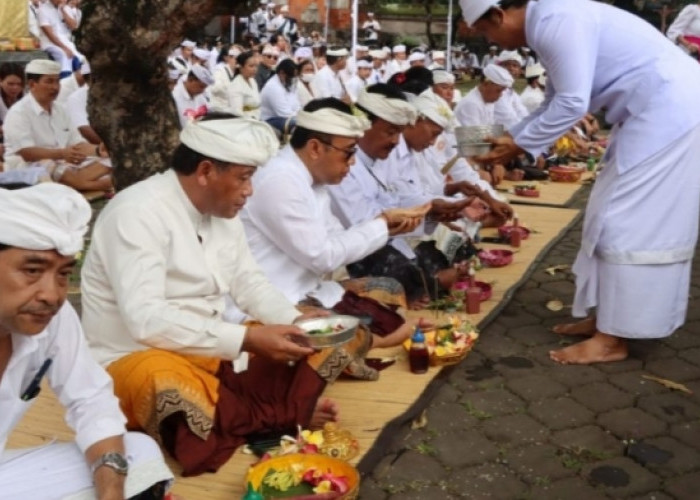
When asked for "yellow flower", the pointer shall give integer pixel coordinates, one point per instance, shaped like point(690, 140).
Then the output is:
point(323, 487)
point(315, 437)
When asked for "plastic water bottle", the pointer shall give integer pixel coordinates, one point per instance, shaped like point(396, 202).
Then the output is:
point(418, 355)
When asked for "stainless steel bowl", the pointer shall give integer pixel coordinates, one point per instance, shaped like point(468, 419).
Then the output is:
point(337, 338)
point(471, 139)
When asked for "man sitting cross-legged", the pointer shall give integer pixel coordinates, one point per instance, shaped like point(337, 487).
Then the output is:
point(291, 230)
point(41, 231)
point(165, 254)
point(38, 132)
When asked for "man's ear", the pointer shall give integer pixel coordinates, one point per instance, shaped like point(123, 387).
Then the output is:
point(204, 172)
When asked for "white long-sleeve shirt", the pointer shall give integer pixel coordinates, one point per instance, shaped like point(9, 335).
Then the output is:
point(509, 109)
point(184, 102)
point(532, 97)
point(244, 97)
point(327, 83)
point(81, 385)
point(687, 22)
point(277, 101)
point(294, 236)
point(219, 92)
point(149, 282)
point(472, 110)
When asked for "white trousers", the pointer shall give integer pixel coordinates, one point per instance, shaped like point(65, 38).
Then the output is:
point(58, 471)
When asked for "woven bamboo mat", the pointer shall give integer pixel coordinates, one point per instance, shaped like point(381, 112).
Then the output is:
point(365, 407)
point(554, 194)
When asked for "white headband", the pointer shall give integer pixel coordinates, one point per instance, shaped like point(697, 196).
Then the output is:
point(47, 216)
point(434, 107)
point(243, 141)
point(395, 111)
point(333, 122)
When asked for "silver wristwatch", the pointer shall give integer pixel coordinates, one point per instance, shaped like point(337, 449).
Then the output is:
point(113, 460)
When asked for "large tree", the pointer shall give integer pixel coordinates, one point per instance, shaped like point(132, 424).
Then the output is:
point(127, 43)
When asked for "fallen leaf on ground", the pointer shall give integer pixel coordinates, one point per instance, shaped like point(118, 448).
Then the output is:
point(553, 270)
point(668, 383)
point(555, 305)
point(420, 421)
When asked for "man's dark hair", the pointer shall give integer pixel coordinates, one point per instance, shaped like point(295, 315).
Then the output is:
point(186, 159)
point(504, 5)
point(331, 60)
point(32, 77)
point(4, 247)
point(289, 69)
point(385, 90)
point(301, 136)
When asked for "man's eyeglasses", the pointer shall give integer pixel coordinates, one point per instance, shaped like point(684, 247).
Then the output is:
point(349, 153)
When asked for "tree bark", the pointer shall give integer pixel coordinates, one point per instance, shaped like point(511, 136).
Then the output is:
point(130, 106)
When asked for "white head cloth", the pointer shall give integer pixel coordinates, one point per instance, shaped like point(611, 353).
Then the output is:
point(398, 48)
point(442, 76)
point(416, 56)
point(304, 53)
point(363, 64)
point(42, 67)
point(542, 80)
point(202, 74)
point(498, 75)
point(343, 52)
point(333, 122)
point(47, 216)
point(534, 70)
point(395, 111)
point(432, 106)
point(438, 54)
point(202, 54)
point(269, 50)
point(188, 43)
point(362, 48)
point(377, 54)
point(472, 10)
point(243, 141)
point(284, 8)
point(234, 51)
point(174, 74)
point(510, 55)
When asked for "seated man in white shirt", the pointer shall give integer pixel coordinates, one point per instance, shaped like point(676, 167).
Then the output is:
point(41, 231)
point(39, 132)
point(166, 253)
point(292, 233)
point(190, 99)
point(327, 82)
point(360, 79)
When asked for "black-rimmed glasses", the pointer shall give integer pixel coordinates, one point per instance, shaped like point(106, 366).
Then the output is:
point(349, 153)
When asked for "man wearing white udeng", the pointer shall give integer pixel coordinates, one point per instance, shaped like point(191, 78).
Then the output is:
point(41, 230)
point(641, 222)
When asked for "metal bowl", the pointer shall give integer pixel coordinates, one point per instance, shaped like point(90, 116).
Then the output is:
point(471, 140)
point(334, 339)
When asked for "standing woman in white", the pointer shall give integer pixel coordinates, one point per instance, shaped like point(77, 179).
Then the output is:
point(641, 222)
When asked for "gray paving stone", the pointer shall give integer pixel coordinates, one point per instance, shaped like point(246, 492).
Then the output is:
point(684, 487)
point(462, 449)
point(447, 394)
point(418, 491)
point(493, 347)
point(561, 290)
point(513, 430)
point(536, 464)
point(601, 397)
point(626, 365)
point(494, 403)
point(683, 339)
point(653, 495)
point(577, 375)
point(449, 417)
point(671, 407)
point(631, 423)
point(487, 481)
point(412, 466)
point(536, 387)
point(537, 296)
point(674, 369)
point(687, 433)
point(571, 488)
point(665, 456)
point(691, 355)
point(650, 350)
point(589, 439)
point(633, 383)
point(561, 413)
point(621, 477)
point(519, 318)
point(370, 490)
point(531, 335)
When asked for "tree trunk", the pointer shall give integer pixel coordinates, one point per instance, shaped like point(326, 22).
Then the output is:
point(130, 106)
point(428, 4)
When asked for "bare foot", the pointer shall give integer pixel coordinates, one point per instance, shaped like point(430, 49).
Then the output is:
point(583, 327)
point(600, 348)
point(326, 411)
point(399, 336)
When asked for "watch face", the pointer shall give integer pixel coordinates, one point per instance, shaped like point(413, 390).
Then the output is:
point(119, 460)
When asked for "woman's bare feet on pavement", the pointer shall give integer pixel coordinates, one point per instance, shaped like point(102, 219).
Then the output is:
point(583, 327)
point(600, 348)
point(326, 411)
